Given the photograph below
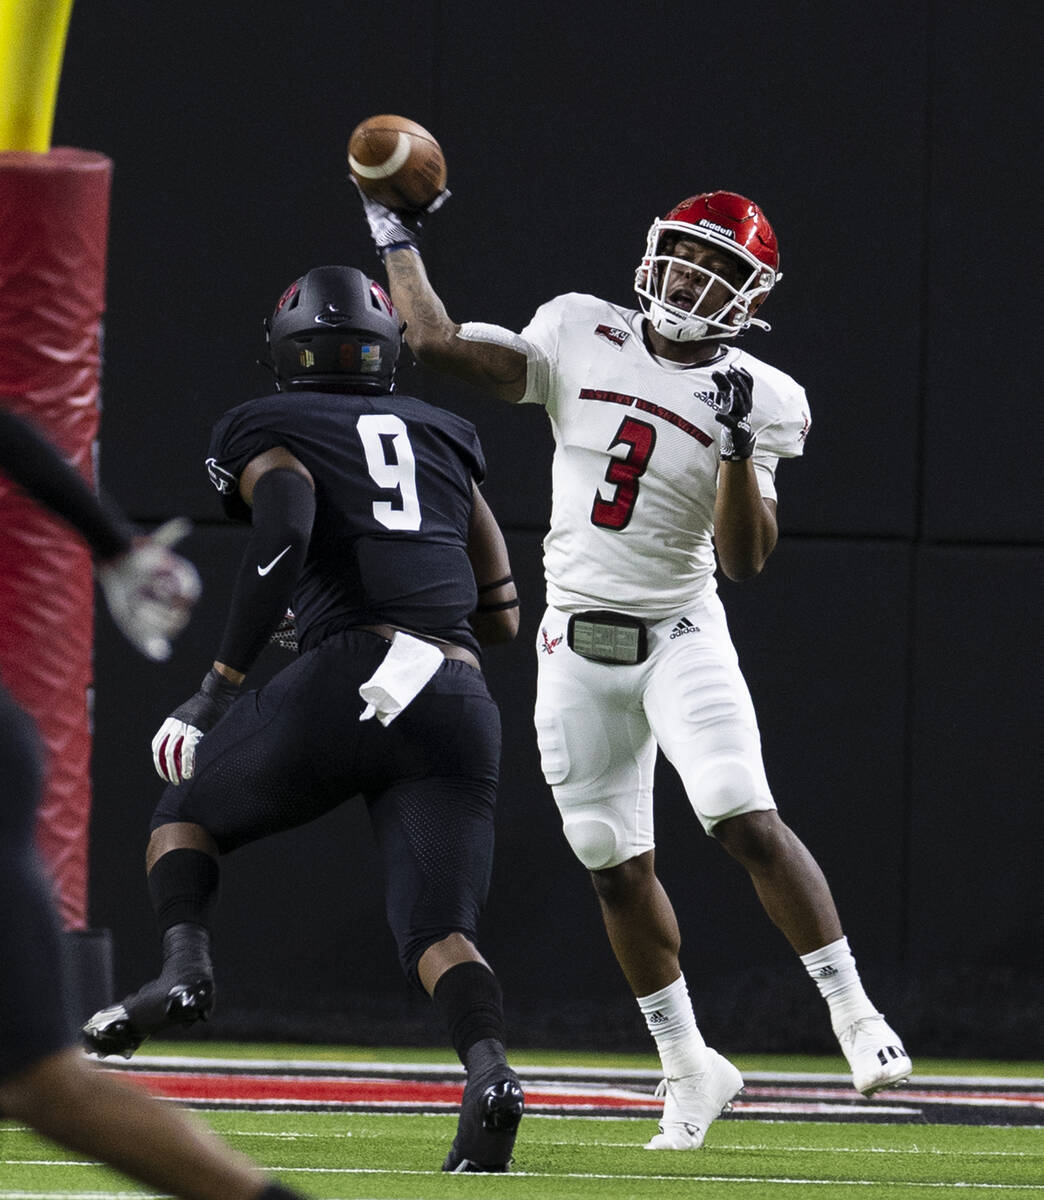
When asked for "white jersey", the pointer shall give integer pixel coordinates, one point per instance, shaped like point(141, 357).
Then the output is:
point(636, 456)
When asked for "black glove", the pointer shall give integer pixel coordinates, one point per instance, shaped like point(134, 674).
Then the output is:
point(392, 230)
point(174, 746)
point(735, 400)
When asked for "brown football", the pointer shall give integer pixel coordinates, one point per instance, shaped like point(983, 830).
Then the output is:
point(396, 162)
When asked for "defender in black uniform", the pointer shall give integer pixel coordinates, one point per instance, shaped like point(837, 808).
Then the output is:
point(44, 1079)
point(366, 520)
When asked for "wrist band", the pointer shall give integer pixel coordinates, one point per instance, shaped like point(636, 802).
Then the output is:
point(400, 246)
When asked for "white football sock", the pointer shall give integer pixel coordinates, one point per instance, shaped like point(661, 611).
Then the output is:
point(832, 968)
point(670, 1019)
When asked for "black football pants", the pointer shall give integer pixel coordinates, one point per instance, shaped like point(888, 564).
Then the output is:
point(295, 749)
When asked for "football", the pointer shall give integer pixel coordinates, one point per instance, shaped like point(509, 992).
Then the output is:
point(396, 162)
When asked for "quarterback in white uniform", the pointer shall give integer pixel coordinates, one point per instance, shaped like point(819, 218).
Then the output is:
point(635, 472)
point(667, 438)
point(635, 480)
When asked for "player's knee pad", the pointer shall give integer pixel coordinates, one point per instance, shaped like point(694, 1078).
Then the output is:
point(726, 787)
point(596, 838)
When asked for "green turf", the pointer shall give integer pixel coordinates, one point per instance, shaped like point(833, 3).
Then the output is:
point(361, 1156)
point(380, 1157)
point(832, 1064)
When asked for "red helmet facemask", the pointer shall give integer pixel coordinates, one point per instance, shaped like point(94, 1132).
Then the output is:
point(730, 223)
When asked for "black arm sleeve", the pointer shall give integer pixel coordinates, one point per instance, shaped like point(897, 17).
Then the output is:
point(37, 467)
point(283, 511)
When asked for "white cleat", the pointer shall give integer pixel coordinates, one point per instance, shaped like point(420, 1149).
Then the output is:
point(692, 1102)
point(875, 1054)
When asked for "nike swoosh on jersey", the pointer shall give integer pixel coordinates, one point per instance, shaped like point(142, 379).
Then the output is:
point(264, 570)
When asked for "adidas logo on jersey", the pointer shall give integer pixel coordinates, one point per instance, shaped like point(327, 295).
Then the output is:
point(683, 627)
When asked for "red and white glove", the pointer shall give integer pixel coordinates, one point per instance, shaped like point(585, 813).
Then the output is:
point(150, 590)
point(174, 746)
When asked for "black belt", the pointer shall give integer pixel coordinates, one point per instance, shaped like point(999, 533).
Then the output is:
point(449, 649)
point(608, 637)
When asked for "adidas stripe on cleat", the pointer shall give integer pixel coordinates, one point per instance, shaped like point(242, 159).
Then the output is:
point(875, 1054)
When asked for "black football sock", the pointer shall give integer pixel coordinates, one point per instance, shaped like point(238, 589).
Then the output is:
point(183, 886)
point(469, 999)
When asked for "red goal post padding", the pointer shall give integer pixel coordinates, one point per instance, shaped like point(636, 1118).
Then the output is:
point(54, 217)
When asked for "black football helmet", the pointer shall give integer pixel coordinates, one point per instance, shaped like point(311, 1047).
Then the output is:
point(334, 329)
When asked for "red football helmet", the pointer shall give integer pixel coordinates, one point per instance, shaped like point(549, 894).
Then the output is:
point(724, 220)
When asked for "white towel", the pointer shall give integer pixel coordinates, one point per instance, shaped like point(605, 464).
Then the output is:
point(406, 668)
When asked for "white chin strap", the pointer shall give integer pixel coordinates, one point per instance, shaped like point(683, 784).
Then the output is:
point(692, 329)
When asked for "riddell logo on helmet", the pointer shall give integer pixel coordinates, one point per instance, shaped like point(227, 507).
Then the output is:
point(730, 233)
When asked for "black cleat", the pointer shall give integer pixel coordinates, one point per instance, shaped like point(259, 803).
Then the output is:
point(109, 1032)
point(490, 1112)
point(190, 1002)
point(121, 1028)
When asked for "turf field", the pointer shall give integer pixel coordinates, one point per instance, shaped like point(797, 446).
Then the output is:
point(361, 1123)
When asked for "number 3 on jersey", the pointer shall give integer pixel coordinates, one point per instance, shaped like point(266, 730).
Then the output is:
point(624, 473)
point(391, 463)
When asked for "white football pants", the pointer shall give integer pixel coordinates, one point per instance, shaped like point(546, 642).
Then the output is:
point(598, 727)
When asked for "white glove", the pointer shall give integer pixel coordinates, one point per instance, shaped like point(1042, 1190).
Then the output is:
point(150, 590)
point(174, 746)
point(389, 228)
point(174, 750)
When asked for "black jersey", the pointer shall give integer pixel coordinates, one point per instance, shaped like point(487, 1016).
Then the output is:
point(393, 486)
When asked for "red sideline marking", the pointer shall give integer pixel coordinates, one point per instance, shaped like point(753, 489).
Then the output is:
point(255, 1088)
